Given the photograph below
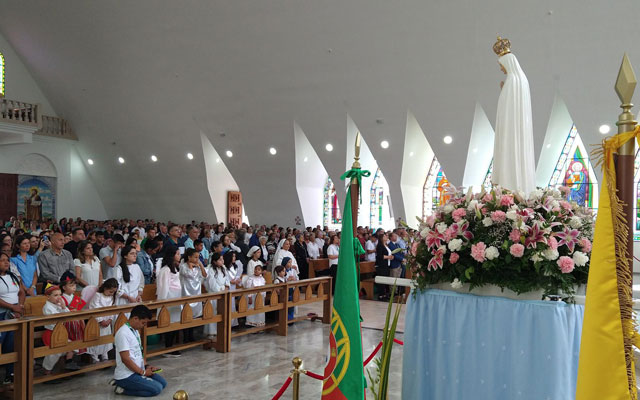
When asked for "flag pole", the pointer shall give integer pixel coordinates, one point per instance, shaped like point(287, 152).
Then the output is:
point(624, 164)
point(355, 189)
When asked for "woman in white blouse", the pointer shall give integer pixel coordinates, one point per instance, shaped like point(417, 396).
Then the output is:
point(333, 252)
point(88, 271)
point(168, 286)
point(312, 247)
point(130, 278)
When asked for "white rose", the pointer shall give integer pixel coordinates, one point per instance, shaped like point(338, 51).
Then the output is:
point(536, 258)
point(425, 232)
point(491, 253)
point(448, 208)
point(555, 204)
point(487, 221)
point(580, 259)
point(455, 244)
point(472, 205)
point(556, 193)
point(550, 254)
point(575, 222)
point(512, 215)
point(441, 227)
point(456, 284)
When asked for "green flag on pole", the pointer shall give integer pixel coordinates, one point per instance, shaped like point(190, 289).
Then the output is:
point(347, 379)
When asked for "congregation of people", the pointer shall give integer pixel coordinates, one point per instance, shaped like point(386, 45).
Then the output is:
point(86, 264)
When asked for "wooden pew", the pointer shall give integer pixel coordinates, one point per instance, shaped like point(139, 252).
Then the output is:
point(315, 266)
point(367, 278)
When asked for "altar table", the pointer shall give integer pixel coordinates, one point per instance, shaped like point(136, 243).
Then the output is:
point(464, 346)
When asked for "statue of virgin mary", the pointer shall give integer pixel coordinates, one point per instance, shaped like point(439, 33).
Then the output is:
point(514, 167)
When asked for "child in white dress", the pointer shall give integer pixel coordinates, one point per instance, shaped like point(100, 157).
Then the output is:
point(169, 286)
point(216, 281)
point(130, 278)
point(105, 297)
point(234, 276)
point(256, 280)
point(55, 305)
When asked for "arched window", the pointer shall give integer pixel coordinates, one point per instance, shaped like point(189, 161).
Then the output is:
point(486, 184)
point(1, 75)
point(574, 171)
point(331, 210)
point(433, 191)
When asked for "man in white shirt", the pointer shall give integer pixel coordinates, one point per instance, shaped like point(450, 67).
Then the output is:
point(132, 377)
point(370, 248)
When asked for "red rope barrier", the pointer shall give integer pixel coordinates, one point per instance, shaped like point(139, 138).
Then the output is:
point(282, 389)
point(372, 354)
point(316, 376)
point(375, 351)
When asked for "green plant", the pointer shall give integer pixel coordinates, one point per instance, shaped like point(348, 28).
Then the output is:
point(379, 381)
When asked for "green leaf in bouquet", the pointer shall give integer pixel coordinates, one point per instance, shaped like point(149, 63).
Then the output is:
point(508, 258)
point(468, 272)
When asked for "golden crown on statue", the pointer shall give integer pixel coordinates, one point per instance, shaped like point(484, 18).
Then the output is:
point(502, 46)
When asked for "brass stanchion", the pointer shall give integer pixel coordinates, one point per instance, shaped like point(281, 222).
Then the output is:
point(181, 395)
point(295, 373)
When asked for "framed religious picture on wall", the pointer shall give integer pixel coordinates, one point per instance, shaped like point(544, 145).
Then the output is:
point(36, 197)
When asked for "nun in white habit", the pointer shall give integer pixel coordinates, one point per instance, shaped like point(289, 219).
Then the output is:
point(281, 253)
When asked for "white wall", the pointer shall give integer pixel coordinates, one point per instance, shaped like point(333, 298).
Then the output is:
point(415, 168)
point(560, 123)
point(311, 177)
point(480, 152)
point(76, 195)
point(19, 84)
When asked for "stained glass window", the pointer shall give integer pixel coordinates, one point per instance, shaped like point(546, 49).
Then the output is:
point(574, 171)
point(376, 200)
point(331, 208)
point(486, 184)
point(434, 189)
point(1, 75)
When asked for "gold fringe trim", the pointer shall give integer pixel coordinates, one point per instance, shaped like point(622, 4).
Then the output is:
point(624, 274)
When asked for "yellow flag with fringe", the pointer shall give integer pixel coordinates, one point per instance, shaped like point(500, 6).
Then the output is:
point(606, 367)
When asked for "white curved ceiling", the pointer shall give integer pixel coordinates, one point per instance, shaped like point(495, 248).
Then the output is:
point(150, 75)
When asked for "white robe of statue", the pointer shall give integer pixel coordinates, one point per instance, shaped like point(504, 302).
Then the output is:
point(514, 167)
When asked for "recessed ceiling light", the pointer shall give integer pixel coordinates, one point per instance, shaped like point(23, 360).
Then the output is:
point(229, 153)
point(306, 159)
point(121, 160)
point(447, 139)
point(475, 149)
point(411, 154)
point(154, 158)
point(90, 161)
point(384, 144)
point(604, 129)
point(218, 159)
point(273, 151)
point(329, 147)
point(549, 145)
point(190, 156)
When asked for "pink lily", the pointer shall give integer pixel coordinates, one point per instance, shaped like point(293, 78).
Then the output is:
point(464, 230)
point(434, 239)
point(568, 237)
point(436, 261)
point(536, 235)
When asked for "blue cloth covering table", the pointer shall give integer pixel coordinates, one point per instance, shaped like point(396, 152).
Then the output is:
point(464, 346)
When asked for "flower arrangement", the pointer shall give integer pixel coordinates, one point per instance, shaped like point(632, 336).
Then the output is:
point(501, 238)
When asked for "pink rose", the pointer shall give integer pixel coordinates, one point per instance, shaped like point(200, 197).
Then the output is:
point(453, 258)
point(516, 250)
point(585, 244)
point(566, 264)
point(565, 204)
point(458, 214)
point(553, 243)
point(564, 189)
point(477, 251)
point(506, 200)
point(498, 216)
point(487, 198)
point(514, 236)
point(556, 209)
point(450, 233)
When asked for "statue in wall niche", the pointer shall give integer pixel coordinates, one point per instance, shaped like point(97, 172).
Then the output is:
point(33, 206)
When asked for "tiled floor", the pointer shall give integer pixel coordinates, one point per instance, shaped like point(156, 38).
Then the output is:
point(255, 368)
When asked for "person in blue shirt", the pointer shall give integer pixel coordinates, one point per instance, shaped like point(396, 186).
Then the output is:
point(145, 261)
point(26, 263)
point(204, 253)
point(398, 258)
